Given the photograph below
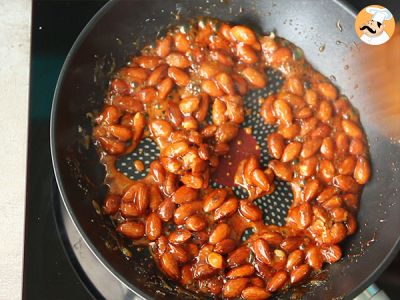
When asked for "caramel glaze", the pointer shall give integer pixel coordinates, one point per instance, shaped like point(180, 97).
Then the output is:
point(197, 62)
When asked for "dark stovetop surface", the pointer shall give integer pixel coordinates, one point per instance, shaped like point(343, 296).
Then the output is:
point(48, 272)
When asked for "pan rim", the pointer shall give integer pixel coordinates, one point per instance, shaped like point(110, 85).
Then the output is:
point(54, 156)
point(63, 195)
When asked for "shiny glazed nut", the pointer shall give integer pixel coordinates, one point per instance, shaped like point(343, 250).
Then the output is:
point(147, 95)
point(295, 86)
point(220, 233)
point(110, 115)
point(186, 210)
point(203, 270)
point(281, 170)
point(179, 76)
point(215, 286)
point(129, 210)
point(255, 293)
point(308, 126)
point(246, 54)
point(189, 105)
point(225, 83)
point(291, 152)
point(111, 146)
point(240, 84)
point(314, 257)
point(327, 90)
point(211, 88)
point(226, 209)
point(153, 227)
point(295, 258)
point(133, 230)
point(184, 194)
point(351, 129)
point(241, 271)
point(327, 170)
point(260, 179)
point(276, 145)
point(119, 86)
point(277, 281)
point(170, 266)
point(214, 200)
point(166, 210)
point(181, 42)
point(264, 271)
point(311, 189)
point(147, 61)
point(181, 256)
point(281, 56)
point(362, 170)
point(234, 287)
point(215, 260)
point(221, 57)
point(283, 111)
point(325, 111)
point(225, 246)
point(177, 60)
point(195, 223)
point(304, 113)
point(157, 171)
point(289, 131)
point(134, 74)
point(272, 238)
point(291, 243)
point(187, 276)
point(342, 142)
point(254, 77)
point(250, 211)
point(209, 69)
point(310, 147)
point(120, 132)
point(346, 166)
point(160, 128)
point(179, 236)
point(331, 253)
point(163, 46)
point(238, 257)
point(157, 75)
point(267, 112)
point(299, 273)
point(226, 132)
point(243, 34)
point(165, 87)
point(111, 204)
point(307, 167)
point(357, 147)
point(262, 251)
point(345, 183)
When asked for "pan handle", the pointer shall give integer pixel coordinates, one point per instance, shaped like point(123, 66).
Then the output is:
point(373, 292)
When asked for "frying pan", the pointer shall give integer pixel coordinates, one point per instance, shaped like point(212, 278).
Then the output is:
point(323, 29)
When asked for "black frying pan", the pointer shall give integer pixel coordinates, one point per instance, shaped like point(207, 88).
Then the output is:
point(123, 27)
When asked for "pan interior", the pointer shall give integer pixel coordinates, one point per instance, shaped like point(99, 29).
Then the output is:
point(122, 28)
point(274, 206)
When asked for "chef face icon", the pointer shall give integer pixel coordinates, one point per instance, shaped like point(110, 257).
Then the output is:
point(372, 25)
point(373, 28)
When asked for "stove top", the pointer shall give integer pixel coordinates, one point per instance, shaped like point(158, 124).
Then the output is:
point(48, 271)
point(51, 266)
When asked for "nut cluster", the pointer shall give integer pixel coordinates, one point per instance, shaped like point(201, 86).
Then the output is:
point(193, 231)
